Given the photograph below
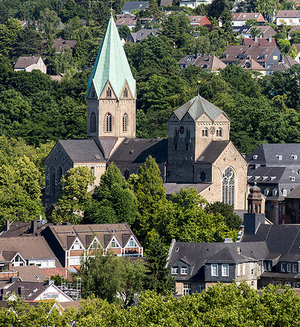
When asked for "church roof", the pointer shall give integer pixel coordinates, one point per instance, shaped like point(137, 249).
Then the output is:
point(111, 64)
point(82, 150)
point(198, 106)
point(212, 151)
point(137, 150)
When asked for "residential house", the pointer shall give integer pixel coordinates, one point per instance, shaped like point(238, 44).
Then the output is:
point(28, 64)
point(207, 62)
point(265, 31)
point(265, 254)
point(240, 19)
point(27, 251)
point(59, 44)
point(129, 6)
point(130, 22)
point(294, 29)
point(288, 17)
point(193, 3)
point(74, 243)
point(142, 34)
point(199, 21)
point(240, 30)
point(147, 20)
point(266, 56)
point(34, 291)
point(286, 63)
point(275, 169)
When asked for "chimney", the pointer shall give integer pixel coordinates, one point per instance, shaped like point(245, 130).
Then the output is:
point(7, 225)
point(270, 39)
point(34, 226)
point(255, 39)
point(21, 291)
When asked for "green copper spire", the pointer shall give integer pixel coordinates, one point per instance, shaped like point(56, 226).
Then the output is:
point(111, 64)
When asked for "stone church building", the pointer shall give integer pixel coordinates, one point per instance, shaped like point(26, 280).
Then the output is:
point(197, 153)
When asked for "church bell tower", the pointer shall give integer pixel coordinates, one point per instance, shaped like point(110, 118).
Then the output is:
point(111, 91)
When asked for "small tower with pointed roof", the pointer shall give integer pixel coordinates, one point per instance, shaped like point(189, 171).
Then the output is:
point(191, 128)
point(111, 91)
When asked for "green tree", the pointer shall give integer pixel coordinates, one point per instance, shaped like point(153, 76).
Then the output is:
point(255, 32)
point(232, 220)
point(111, 278)
point(49, 22)
point(293, 52)
point(114, 201)
point(75, 197)
point(284, 46)
point(158, 278)
point(124, 32)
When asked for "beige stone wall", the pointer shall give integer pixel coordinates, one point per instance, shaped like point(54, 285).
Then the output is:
point(229, 158)
point(117, 108)
point(96, 169)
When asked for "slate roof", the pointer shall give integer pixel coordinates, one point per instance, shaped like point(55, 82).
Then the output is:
point(209, 62)
point(24, 62)
point(267, 155)
point(212, 152)
point(175, 187)
point(30, 247)
point(81, 151)
point(21, 228)
point(235, 52)
point(267, 175)
point(200, 253)
point(111, 64)
point(137, 150)
point(132, 5)
point(288, 14)
point(60, 44)
point(66, 234)
point(281, 240)
point(144, 33)
point(32, 290)
point(282, 66)
point(226, 255)
point(196, 107)
point(295, 194)
point(241, 29)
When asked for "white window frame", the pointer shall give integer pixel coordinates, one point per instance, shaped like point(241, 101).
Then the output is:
point(184, 270)
point(174, 270)
point(225, 270)
point(244, 269)
point(238, 270)
point(214, 269)
point(186, 288)
point(295, 268)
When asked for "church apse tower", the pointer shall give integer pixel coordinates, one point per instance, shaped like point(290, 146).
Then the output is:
point(111, 91)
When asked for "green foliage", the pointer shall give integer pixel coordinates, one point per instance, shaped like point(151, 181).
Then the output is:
point(124, 32)
point(71, 204)
point(255, 32)
point(114, 201)
point(284, 45)
point(232, 220)
point(251, 22)
point(115, 279)
point(158, 278)
point(293, 52)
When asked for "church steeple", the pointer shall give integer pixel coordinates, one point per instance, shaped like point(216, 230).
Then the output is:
point(111, 90)
point(111, 65)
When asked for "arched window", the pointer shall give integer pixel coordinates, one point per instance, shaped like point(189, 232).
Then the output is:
point(228, 181)
point(108, 123)
point(219, 132)
point(52, 180)
point(205, 132)
point(59, 175)
point(125, 93)
point(93, 123)
point(108, 93)
point(125, 122)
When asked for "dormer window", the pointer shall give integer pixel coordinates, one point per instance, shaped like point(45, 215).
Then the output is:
point(76, 246)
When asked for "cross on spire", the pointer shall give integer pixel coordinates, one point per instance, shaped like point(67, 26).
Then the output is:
point(111, 9)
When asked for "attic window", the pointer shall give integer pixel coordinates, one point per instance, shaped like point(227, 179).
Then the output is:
point(255, 157)
point(131, 151)
point(108, 93)
point(279, 157)
point(294, 156)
